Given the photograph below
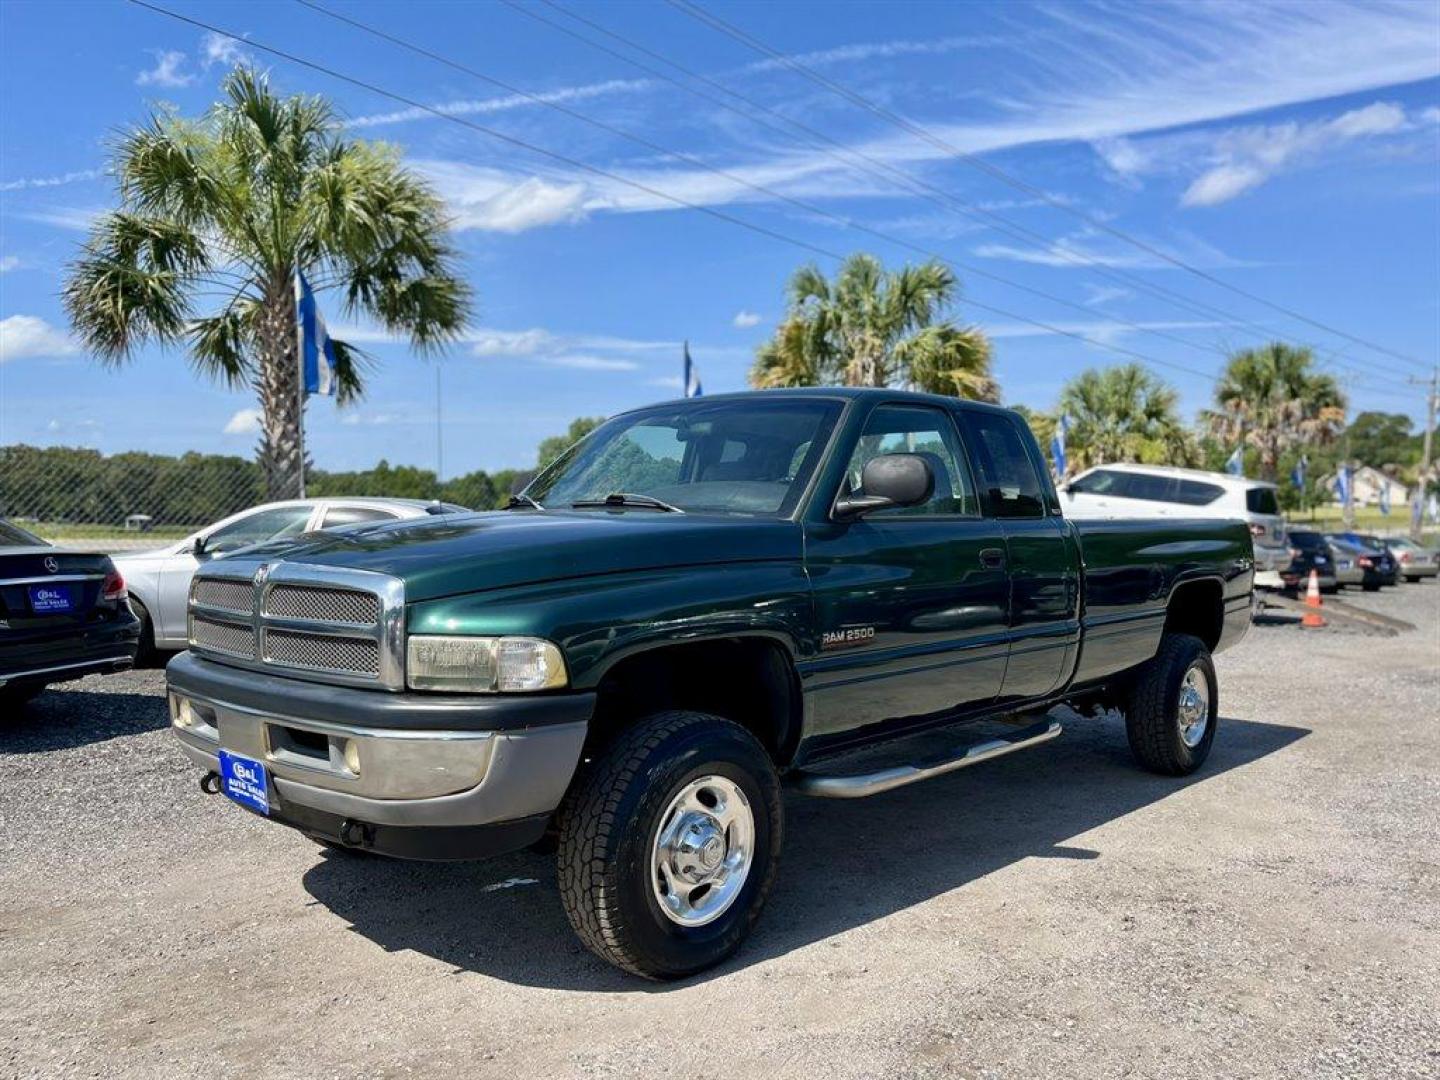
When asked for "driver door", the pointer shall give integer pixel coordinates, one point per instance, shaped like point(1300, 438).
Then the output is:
point(252, 528)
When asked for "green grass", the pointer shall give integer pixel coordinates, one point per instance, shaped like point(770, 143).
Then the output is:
point(62, 531)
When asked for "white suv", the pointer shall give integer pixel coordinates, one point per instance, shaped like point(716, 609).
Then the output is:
point(1128, 491)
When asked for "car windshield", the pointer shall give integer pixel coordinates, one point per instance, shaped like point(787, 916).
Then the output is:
point(750, 456)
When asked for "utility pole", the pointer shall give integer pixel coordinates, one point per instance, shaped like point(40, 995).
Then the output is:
point(1428, 439)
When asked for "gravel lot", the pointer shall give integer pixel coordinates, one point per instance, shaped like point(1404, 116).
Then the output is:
point(1056, 913)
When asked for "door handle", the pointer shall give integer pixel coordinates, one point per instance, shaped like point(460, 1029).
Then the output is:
point(992, 558)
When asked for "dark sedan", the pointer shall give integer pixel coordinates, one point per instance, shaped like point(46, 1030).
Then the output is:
point(1358, 564)
point(1309, 551)
point(63, 614)
point(1387, 562)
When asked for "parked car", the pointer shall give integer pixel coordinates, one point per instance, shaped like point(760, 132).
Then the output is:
point(62, 615)
point(698, 598)
point(1131, 491)
point(1386, 565)
point(1416, 562)
point(1309, 551)
point(159, 580)
point(1358, 564)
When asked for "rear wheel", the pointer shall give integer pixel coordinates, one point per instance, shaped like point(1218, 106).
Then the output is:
point(669, 844)
point(1173, 708)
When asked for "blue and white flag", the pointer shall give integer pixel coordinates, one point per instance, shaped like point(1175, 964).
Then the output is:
point(1235, 464)
point(317, 351)
point(692, 375)
point(1297, 474)
point(1385, 499)
point(1343, 486)
point(1057, 445)
point(1434, 508)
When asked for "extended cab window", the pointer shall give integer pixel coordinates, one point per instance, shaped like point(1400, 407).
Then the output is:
point(1011, 482)
point(746, 456)
point(930, 434)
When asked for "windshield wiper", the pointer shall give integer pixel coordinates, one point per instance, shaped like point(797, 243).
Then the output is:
point(522, 500)
point(626, 498)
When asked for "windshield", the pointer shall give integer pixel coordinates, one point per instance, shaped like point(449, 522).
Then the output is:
point(748, 456)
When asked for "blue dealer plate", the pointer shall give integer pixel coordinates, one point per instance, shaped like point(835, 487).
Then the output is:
point(52, 599)
point(243, 779)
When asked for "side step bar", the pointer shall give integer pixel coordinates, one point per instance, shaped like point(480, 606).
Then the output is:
point(829, 786)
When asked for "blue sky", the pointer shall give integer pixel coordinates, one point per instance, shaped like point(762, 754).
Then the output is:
point(1290, 150)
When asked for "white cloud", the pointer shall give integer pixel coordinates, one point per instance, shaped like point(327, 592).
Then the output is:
point(1104, 294)
point(1103, 332)
point(219, 49)
point(26, 183)
point(244, 422)
point(493, 201)
point(75, 218)
point(744, 320)
point(504, 103)
point(25, 336)
point(1089, 247)
point(667, 382)
point(1243, 158)
point(8, 263)
point(583, 362)
point(511, 342)
point(167, 70)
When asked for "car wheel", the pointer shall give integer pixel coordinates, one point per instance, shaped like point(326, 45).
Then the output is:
point(1412, 579)
point(669, 843)
point(1371, 586)
point(146, 653)
point(1173, 709)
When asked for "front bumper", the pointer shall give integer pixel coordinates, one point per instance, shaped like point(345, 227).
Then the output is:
point(415, 775)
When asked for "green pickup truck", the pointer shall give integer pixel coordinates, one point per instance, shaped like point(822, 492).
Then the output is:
point(700, 603)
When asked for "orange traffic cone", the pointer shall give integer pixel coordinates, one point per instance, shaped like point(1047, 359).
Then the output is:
point(1313, 603)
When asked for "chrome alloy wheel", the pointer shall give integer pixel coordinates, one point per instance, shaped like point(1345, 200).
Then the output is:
point(702, 851)
point(1193, 711)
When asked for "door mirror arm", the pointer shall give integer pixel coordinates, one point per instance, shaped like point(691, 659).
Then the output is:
point(855, 506)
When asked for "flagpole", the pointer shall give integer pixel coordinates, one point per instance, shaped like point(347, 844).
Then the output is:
point(439, 445)
point(300, 380)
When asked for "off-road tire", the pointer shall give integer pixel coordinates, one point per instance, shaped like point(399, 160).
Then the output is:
point(146, 652)
point(607, 822)
point(1151, 720)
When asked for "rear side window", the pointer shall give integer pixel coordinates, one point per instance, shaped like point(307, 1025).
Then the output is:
point(1012, 485)
point(1197, 493)
point(352, 515)
point(1261, 500)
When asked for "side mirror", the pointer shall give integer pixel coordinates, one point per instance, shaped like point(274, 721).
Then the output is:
point(887, 481)
point(198, 548)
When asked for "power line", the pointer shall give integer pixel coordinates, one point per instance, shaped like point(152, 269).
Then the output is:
point(695, 162)
point(848, 156)
point(698, 13)
point(312, 65)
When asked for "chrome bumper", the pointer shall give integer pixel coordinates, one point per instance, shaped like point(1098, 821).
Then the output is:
point(408, 774)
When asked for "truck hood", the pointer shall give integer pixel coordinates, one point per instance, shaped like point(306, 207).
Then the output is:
point(444, 556)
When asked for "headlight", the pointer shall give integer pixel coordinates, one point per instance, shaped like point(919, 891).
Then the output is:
point(483, 664)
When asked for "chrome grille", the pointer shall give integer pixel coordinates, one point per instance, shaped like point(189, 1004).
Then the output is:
point(359, 656)
point(323, 605)
point(325, 623)
point(222, 636)
point(224, 593)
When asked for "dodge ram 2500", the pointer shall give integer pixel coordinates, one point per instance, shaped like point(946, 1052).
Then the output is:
point(699, 603)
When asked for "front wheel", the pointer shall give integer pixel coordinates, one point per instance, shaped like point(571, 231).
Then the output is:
point(1174, 707)
point(669, 843)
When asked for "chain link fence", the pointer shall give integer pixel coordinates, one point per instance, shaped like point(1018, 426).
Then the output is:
point(79, 497)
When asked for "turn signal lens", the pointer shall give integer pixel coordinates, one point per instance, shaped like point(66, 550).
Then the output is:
point(483, 664)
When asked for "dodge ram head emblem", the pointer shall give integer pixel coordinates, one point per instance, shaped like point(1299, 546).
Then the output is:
point(261, 573)
point(52, 564)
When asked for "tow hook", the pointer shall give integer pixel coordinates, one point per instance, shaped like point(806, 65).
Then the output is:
point(210, 783)
point(356, 834)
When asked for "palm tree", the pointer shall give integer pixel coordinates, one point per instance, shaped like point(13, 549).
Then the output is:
point(1122, 413)
point(221, 213)
point(873, 327)
point(1272, 399)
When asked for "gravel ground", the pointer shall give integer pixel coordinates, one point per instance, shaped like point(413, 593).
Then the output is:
point(1056, 913)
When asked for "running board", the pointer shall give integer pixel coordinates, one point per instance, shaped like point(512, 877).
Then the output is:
point(830, 786)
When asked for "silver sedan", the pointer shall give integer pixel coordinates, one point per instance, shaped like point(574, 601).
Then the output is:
point(159, 580)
